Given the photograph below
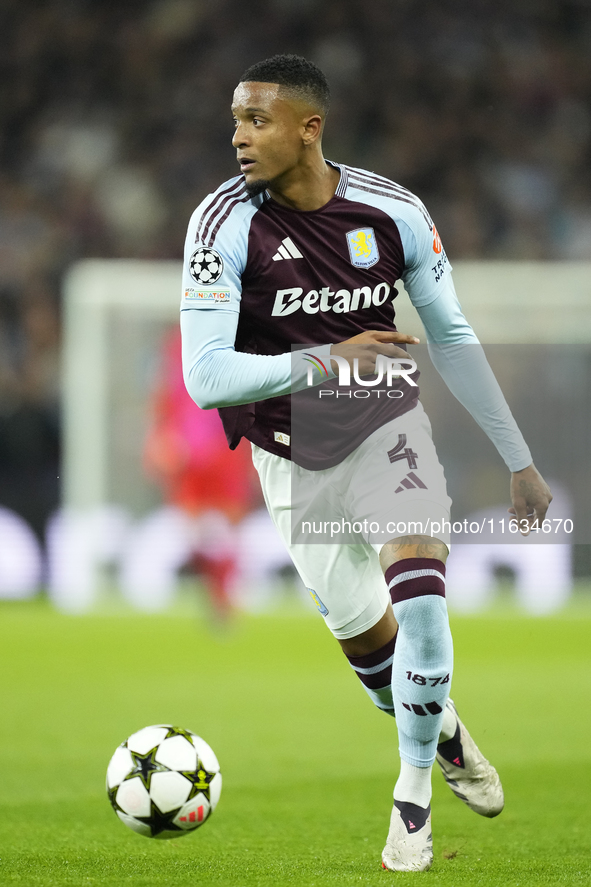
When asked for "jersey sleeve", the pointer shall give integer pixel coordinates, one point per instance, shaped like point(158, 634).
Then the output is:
point(427, 267)
point(215, 374)
point(213, 263)
point(460, 360)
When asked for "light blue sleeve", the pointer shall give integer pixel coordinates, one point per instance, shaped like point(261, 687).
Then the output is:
point(216, 375)
point(444, 320)
point(212, 267)
point(427, 268)
point(461, 362)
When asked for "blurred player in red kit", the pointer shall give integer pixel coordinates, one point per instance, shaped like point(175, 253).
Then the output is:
point(187, 454)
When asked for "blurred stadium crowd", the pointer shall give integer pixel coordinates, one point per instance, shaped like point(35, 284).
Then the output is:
point(114, 123)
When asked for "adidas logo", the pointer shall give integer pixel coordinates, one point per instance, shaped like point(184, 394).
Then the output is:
point(410, 482)
point(433, 708)
point(287, 250)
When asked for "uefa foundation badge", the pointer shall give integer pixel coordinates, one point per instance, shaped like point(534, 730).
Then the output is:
point(363, 247)
point(206, 298)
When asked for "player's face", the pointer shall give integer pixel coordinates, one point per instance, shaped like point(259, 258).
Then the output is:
point(270, 130)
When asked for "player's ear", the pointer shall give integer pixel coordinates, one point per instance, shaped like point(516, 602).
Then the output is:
point(312, 129)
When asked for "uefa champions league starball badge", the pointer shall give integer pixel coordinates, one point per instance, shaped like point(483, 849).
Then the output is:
point(205, 266)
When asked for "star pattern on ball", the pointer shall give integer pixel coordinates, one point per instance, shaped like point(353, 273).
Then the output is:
point(206, 266)
point(178, 731)
point(145, 766)
point(200, 779)
point(160, 822)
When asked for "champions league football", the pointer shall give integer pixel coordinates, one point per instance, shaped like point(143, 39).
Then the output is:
point(164, 782)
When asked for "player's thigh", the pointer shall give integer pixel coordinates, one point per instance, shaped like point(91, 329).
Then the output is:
point(398, 487)
point(344, 581)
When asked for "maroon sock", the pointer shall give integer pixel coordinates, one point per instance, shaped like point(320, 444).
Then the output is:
point(374, 670)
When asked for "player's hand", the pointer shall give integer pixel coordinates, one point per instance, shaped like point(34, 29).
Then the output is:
point(531, 496)
point(367, 346)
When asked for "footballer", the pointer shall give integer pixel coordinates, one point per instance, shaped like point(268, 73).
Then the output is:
point(289, 276)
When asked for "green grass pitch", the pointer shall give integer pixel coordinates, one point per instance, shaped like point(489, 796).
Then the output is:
point(308, 764)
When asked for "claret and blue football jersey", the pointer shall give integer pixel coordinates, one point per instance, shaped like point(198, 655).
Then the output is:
point(309, 278)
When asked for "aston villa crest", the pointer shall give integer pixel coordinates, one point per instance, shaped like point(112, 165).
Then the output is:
point(363, 247)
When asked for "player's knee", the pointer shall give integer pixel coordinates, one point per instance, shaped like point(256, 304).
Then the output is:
point(412, 547)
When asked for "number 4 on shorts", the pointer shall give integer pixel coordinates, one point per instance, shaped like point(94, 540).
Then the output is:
point(401, 451)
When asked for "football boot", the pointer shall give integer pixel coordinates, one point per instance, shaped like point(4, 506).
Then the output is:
point(409, 847)
point(467, 772)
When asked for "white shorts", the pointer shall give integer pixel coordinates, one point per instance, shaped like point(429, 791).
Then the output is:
point(392, 485)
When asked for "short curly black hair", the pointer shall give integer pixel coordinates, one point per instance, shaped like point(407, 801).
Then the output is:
point(295, 73)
